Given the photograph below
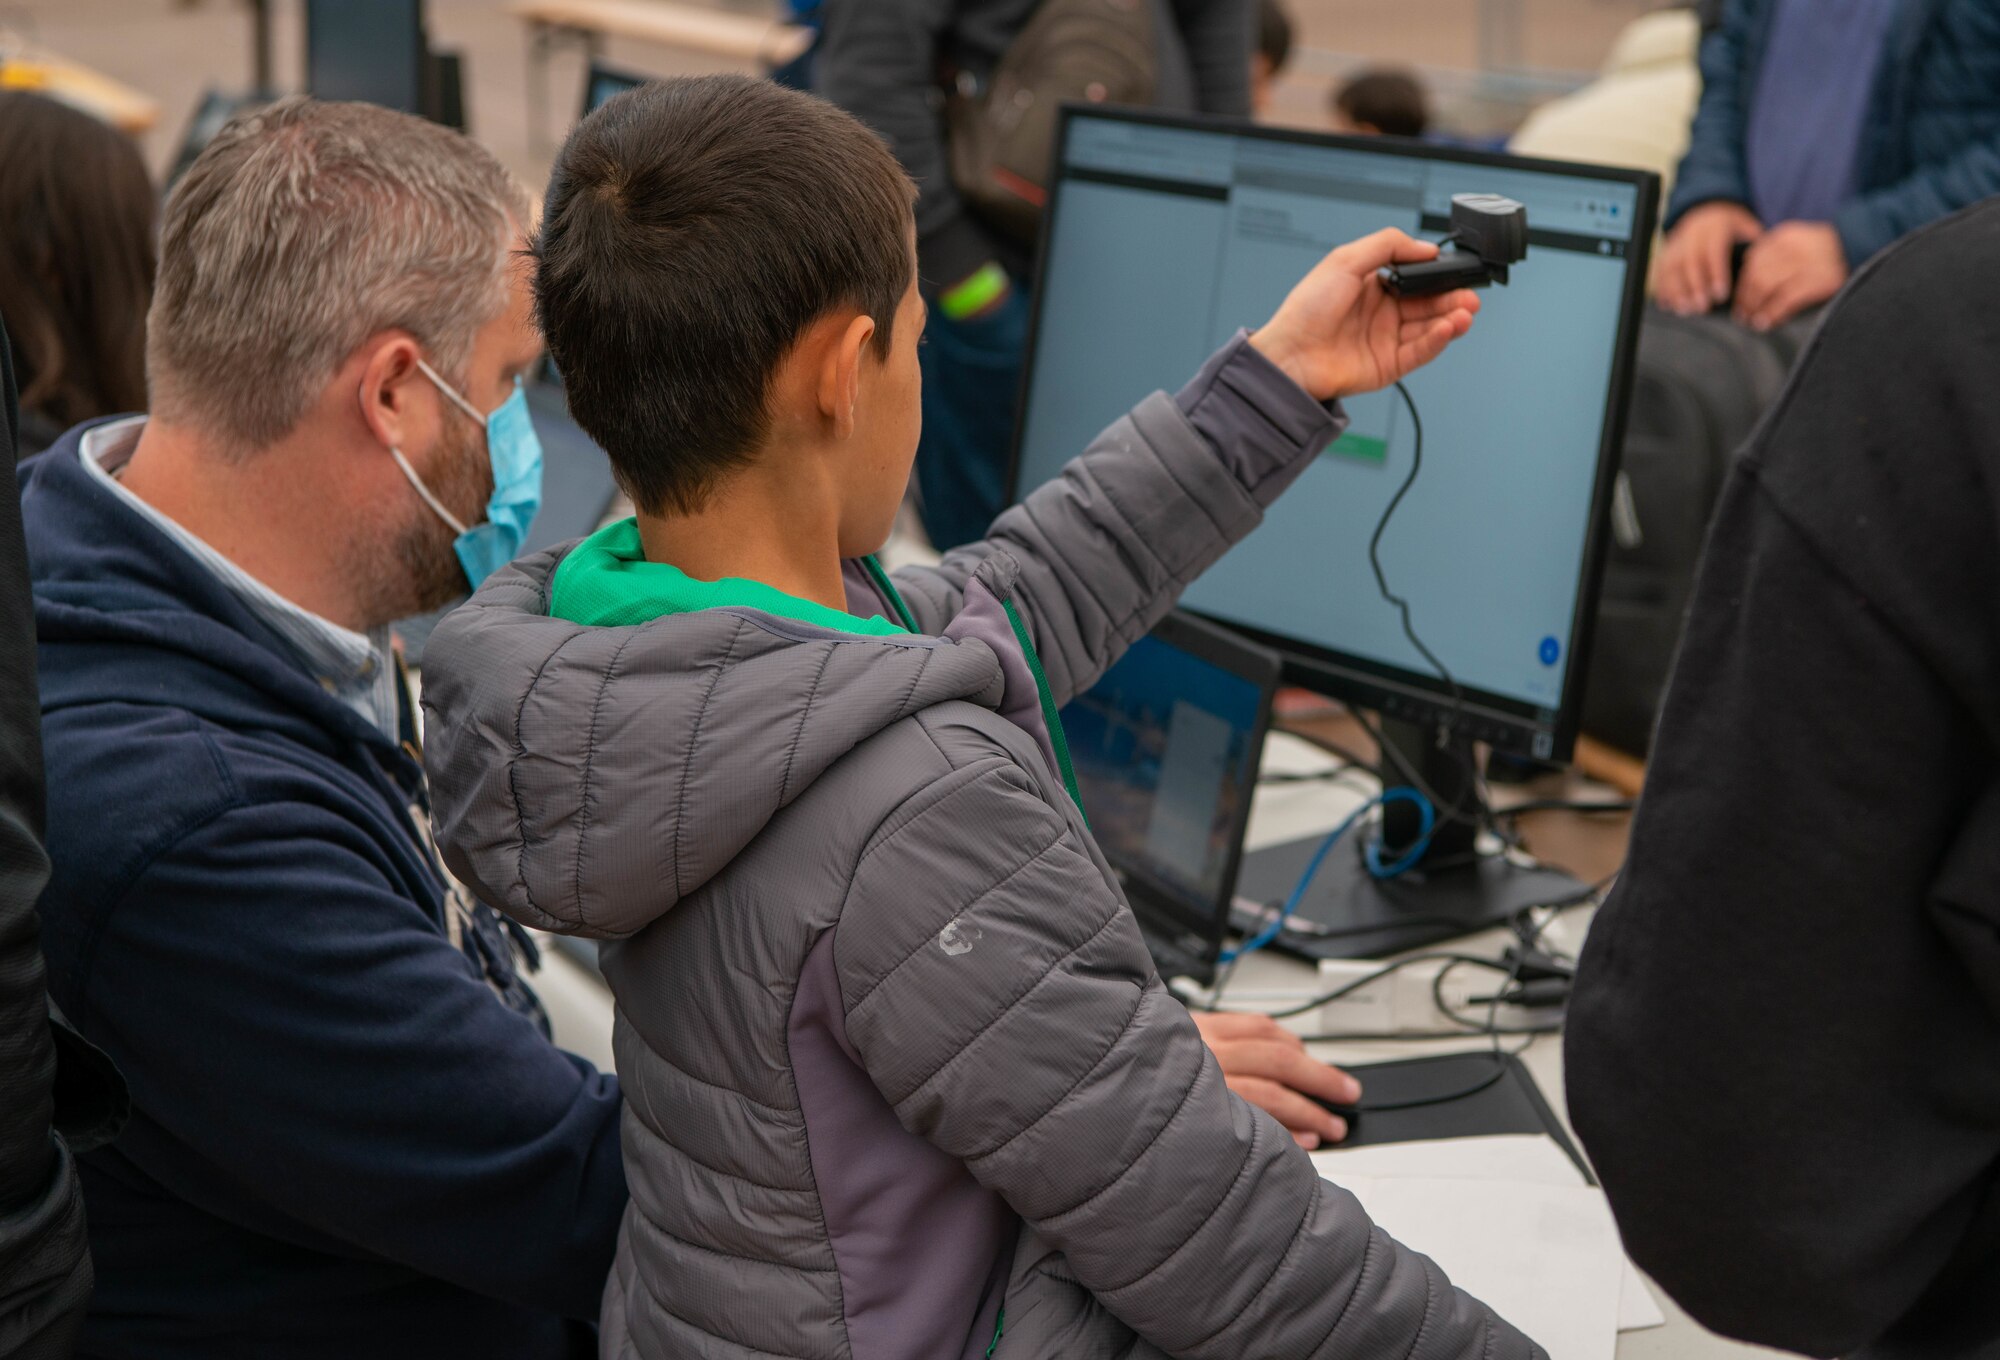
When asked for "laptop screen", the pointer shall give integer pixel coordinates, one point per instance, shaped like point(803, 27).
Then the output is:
point(1166, 751)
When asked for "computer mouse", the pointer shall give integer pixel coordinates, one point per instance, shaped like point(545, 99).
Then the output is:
point(1349, 1113)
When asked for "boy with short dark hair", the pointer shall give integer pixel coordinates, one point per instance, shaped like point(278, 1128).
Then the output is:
point(901, 1079)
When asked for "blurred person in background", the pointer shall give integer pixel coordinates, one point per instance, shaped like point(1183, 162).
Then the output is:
point(1382, 102)
point(76, 264)
point(892, 65)
point(1274, 50)
point(1827, 130)
point(1638, 110)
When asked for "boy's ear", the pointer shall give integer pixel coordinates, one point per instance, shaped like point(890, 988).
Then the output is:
point(840, 374)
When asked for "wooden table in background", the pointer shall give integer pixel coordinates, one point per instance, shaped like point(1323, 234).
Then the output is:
point(25, 67)
point(760, 43)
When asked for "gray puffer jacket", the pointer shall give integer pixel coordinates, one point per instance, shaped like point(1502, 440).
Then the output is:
point(894, 1054)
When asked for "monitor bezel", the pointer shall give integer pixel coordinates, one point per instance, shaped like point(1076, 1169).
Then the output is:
point(1500, 720)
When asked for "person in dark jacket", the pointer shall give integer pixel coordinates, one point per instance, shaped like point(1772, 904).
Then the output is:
point(45, 1271)
point(903, 1083)
point(351, 1133)
point(888, 62)
point(76, 264)
point(1827, 130)
point(1784, 1043)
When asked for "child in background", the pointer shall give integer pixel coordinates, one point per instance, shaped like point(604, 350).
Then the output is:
point(1382, 101)
point(1268, 58)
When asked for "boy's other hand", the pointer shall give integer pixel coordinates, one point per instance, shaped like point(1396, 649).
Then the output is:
point(1268, 1066)
point(1341, 332)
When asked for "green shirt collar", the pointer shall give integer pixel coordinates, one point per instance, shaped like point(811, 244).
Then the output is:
point(606, 582)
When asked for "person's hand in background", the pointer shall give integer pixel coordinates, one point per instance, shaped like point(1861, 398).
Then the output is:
point(1693, 276)
point(1794, 266)
point(1268, 1066)
point(1340, 331)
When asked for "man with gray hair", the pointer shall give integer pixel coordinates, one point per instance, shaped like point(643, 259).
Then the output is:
point(351, 1134)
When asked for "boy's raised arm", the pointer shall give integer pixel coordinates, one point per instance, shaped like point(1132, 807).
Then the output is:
point(1107, 548)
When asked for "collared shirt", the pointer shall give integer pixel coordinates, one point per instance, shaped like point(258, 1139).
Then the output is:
point(353, 667)
point(1811, 99)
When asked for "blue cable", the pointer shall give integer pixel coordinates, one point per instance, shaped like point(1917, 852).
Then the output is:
point(1427, 815)
point(1427, 825)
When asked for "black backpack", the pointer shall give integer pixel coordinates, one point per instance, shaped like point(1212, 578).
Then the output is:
point(1002, 137)
point(1700, 387)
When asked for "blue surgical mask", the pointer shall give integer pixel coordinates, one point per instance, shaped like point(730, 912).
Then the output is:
point(516, 454)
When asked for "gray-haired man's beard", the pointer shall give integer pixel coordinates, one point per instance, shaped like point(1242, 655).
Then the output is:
point(415, 568)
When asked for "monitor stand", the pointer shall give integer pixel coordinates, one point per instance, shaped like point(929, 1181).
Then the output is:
point(1349, 913)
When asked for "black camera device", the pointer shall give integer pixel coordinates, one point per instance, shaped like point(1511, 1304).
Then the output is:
point(1488, 233)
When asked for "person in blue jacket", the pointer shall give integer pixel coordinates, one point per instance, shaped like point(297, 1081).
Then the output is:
point(1827, 131)
point(351, 1134)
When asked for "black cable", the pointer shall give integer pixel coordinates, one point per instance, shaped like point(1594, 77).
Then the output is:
point(1316, 776)
point(1457, 811)
point(1401, 605)
point(1580, 805)
point(1487, 1083)
point(1408, 772)
point(1369, 979)
point(1492, 1027)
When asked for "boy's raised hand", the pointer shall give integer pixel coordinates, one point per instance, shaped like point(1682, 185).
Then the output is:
point(1341, 332)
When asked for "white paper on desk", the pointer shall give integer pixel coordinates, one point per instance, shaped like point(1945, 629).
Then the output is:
point(1531, 1158)
point(1542, 1256)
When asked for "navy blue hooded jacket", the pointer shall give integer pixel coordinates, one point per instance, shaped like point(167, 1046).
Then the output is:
point(344, 1141)
point(1931, 143)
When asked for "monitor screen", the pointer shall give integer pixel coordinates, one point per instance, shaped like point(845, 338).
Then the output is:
point(1164, 236)
point(604, 84)
point(368, 50)
point(1166, 747)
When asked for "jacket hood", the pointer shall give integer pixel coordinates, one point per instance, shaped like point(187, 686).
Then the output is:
point(124, 615)
point(586, 779)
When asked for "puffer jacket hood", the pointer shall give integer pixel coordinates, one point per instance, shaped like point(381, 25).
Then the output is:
point(737, 711)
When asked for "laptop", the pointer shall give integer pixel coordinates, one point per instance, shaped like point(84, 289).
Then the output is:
point(1166, 748)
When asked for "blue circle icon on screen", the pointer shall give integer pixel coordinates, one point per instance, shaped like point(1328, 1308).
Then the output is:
point(1550, 651)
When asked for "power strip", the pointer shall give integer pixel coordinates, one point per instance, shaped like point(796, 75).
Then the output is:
point(1402, 1003)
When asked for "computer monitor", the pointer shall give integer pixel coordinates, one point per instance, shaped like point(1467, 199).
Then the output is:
point(603, 83)
point(1166, 748)
point(1163, 236)
point(368, 50)
point(210, 115)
